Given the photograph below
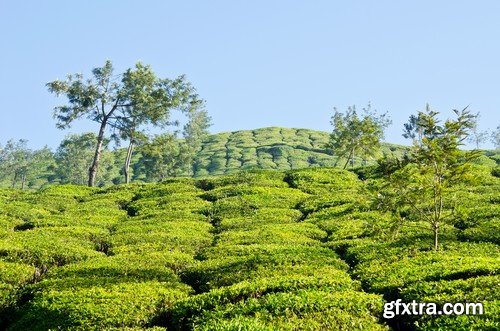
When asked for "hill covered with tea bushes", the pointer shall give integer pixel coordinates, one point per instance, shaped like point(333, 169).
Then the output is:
point(267, 148)
point(222, 153)
point(258, 250)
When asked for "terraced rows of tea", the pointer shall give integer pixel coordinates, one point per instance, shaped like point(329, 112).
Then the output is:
point(262, 250)
point(267, 148)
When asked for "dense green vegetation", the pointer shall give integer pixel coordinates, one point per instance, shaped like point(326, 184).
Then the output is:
point(255, 250)
point(222, 153)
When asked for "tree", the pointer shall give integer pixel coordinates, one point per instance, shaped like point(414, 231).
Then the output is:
point(29, 167)
point(477, 137)
point(168, 155)
point(74, 157)
point(195, 130)
point(421, 187)
point(40, 169)
point(495, 137)
point(123, 102)
point(162, 157)
point(355, 135)
point(158, 97)
point(15, 158)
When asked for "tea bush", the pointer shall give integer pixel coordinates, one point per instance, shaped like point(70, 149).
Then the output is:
point(304, 309)
point(251, 250)
point(482, 289)
point(94, 307)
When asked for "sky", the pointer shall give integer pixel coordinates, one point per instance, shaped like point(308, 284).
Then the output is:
point(257, 63)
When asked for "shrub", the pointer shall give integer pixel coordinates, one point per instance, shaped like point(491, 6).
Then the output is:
point(304, 309)
point(98, 307)
point(258, 261)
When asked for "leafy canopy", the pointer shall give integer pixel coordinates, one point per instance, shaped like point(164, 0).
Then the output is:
point(354, 135)
point(421, 189)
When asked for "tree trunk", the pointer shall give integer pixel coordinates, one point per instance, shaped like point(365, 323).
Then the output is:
point(14, 181)
point(23, 181)
point(348, 159)
point(436, 232)
point(126, 167)
point(98, 151)
point(352, 159)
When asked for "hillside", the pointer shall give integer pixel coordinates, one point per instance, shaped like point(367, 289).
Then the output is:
point(221, 153)
point(266, 148)
point(259, 250)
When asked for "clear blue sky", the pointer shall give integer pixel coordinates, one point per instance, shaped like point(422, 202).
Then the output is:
point(258, 63)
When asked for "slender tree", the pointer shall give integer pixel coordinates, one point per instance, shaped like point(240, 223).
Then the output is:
point(74, 156)
point(159, 98)
point(195, 131)
point(422, 186)
point(123, 102)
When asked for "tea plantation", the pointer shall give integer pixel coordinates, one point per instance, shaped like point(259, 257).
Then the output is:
point(255, 250)
point(267, 148)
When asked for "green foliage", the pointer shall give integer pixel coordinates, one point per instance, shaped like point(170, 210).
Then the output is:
point(322, 180)
point(301, 310)
point(223, 153)
point(74, 156)
point(22, 167)
point(302, 249)
point(435, 166)
point(495, 137)
point(355, 136)
point(483, 289)
point(126, 102)
point(91, 307)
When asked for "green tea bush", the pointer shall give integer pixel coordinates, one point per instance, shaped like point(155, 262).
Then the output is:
point(186, 236)
point(75, 191)
point(175, 201)
point(483, 289)
point(47, 246)
point(328, 278)
point(322, 180)
point(351, 225)
point(453, 262)
point(158, 216)
point(261, 216)
point(263, 196)
point(475, 289)
point(258, 262)
point(121, 305)
point(263, 178)
point(488, 231)
point(12, 277)
point(292, 234)
point(165, 189)
point(352, 198)
point(301, 310)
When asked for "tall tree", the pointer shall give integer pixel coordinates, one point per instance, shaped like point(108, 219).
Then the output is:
point(123, 102)
point(74, 157)
point(423, 185)
point(357, 136)
point(158, 98)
